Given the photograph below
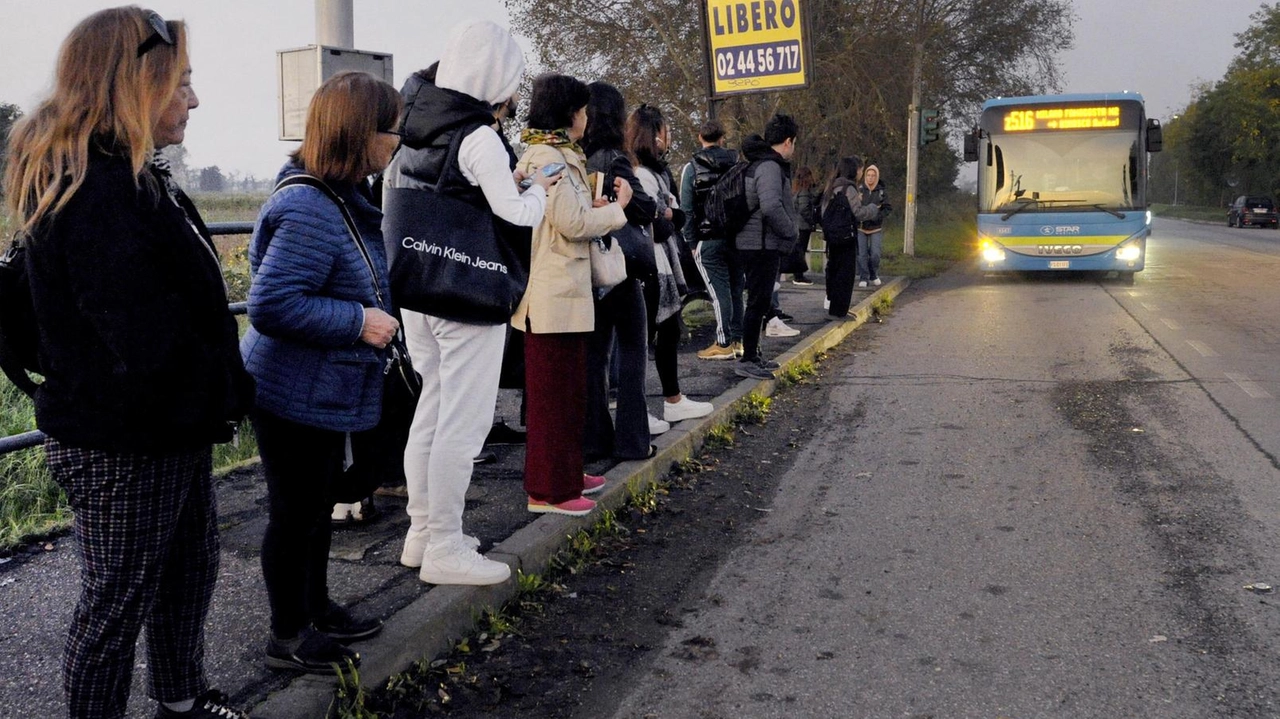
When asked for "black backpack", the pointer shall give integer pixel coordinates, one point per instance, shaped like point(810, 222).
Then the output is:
point(19, 334)
point(726, 207)
point(708, 167)
point(838, 223)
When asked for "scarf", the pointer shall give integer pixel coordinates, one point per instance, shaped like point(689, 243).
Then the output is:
point(554, 138)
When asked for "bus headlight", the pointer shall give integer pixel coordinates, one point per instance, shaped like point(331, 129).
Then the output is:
point(991, 253)
point(1129, 253)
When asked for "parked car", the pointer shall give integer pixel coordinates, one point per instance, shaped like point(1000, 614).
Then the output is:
point(1253, 210)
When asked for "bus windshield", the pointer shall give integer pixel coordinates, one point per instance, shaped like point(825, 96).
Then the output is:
point(1060, 172)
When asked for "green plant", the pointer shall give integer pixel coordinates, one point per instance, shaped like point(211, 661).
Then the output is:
point(496, 623)
point(753, 409)
point(796, 373)
point(721, 436)
point(350, 699)
point(644, 496)
point(529, 583)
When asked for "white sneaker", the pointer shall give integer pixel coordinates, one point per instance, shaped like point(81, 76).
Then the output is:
point(777, 328)
point(826, 303)
point(415, 545)
point(657, 426)
point(453, 562)
point(863, 283)
point(343, 512)
point(876, 282)
point(685, 409)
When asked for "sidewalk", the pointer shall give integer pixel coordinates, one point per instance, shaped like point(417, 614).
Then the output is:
point(37, 597)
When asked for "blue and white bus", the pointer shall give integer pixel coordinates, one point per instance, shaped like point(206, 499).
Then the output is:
point(1062, 182)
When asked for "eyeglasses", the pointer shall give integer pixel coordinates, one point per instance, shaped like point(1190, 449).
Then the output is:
point(159, 34)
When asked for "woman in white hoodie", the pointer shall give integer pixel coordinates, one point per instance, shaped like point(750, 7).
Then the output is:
point(460, 362)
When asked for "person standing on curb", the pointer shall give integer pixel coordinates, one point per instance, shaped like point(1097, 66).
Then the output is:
point(715, 257)
point(769, 233)
point(557, 312)
point(138, 351)
point(315, 344)
point(840, 212)
point(871, 232)
point(806, 208)
point(460, 361)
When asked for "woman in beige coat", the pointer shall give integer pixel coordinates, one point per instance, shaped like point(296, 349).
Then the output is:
point(557, 312)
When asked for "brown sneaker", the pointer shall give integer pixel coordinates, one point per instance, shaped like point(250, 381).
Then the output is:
point(737, 349)
point(716, 352)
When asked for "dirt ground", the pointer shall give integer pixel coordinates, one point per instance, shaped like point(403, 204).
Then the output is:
point(572, 645)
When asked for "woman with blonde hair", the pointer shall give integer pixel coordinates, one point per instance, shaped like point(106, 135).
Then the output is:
point(138, 352)
point(315, 345)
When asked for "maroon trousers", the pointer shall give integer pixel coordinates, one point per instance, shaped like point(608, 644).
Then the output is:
point(555, 368)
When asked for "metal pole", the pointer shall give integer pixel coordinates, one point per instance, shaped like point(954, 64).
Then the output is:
point(335, 23)
point(913, 157)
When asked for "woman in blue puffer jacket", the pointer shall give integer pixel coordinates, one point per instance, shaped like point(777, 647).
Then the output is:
point(315, 348)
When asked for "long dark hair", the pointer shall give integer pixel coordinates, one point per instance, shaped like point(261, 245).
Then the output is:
point(804, 180)
point(847, 170)
point(642, 130)
point(606, 117)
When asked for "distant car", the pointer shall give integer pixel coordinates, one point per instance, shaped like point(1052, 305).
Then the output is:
point(1254, 210)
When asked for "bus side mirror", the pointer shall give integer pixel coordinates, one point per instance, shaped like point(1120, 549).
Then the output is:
point(1155, 138)
point(971, 146)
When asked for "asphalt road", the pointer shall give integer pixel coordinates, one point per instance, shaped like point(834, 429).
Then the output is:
point(1031, 497)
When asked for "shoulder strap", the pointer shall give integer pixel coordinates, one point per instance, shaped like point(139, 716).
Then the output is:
point(319, 184)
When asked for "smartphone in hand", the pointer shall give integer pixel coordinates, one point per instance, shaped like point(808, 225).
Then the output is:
point(553, 169)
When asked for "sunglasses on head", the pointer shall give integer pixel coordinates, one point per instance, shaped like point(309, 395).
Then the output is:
point(159, 34)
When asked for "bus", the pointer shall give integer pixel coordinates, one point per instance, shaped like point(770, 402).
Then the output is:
point(1062, 182)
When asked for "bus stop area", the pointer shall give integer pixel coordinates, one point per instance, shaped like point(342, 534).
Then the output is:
point(38, 590)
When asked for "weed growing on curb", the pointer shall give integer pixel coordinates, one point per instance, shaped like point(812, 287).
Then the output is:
point(753, 409)
point(529, 583)
point(349, 699)
point(796, 373)
point(721, 436)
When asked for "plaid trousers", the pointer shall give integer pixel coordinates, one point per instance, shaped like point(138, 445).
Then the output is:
point(146, 527)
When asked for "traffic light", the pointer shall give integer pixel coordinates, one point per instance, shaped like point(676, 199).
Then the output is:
point(928, 126)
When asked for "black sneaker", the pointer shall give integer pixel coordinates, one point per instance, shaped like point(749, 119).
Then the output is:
point(341, 626)
point(211, 704)
point(801, 281)
point(502, 433)
point(317, 654)
point(486, 456)
point(783, 316)
point(753, 369)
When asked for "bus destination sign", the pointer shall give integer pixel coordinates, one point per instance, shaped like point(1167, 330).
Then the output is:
point(1096, 117)
point(754, 45)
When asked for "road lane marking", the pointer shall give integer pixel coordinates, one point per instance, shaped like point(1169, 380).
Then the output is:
point(1204, 349)
point(1150, 306)
point(1171, 324)
point(1248, 386)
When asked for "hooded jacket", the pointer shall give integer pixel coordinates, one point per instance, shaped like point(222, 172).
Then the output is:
point(772, 225)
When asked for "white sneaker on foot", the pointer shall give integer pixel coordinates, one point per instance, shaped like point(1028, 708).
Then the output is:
point(453, 562)
point(777, 328)
point(657, 426)
point(862, 283)
point(415, 545)
point(876, 282)
point(826, 303)
point(685, 409)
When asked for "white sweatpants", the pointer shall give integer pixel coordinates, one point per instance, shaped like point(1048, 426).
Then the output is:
point(460, 366)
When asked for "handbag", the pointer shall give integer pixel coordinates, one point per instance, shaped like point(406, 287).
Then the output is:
point(449, 256)
point(377, 454)
point(608, 265)
point(637, 248)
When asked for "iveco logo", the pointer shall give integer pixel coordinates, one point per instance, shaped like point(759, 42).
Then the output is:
point(1060, 230)
point(1059, 249)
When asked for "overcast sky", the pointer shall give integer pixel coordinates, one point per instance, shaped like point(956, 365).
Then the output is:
point(1160, 48)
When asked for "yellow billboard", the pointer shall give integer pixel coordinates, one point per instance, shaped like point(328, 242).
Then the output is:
point(755, 45)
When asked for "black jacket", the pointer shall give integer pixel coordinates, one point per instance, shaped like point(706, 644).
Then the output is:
point(139, 350)
point(879, 199)
point(436, 119)
point(773, 221)
point(615, 163)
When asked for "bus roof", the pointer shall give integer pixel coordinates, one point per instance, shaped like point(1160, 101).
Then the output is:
point(1079, 97)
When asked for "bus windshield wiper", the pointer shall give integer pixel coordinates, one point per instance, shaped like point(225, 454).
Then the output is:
point(1021, 205)
point(1108, 210)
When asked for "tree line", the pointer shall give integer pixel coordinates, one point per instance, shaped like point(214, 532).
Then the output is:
point(862, 54)
point(1226, 142)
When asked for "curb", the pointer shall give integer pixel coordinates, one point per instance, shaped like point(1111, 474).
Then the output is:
point(428, 626)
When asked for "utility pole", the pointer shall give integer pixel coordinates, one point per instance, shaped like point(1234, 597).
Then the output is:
point(913, 151)
point(335, 24)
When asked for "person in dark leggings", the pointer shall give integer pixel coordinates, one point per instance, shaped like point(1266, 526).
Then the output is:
point(841, 211)
point(769, 231)
point(315, 347)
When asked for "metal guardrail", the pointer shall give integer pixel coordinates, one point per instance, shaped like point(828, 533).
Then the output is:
point(27, 440)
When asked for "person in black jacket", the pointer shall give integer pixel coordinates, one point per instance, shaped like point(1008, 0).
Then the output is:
point(770, 233)
point(871, 232)
point(138, 350)
point(621, 311)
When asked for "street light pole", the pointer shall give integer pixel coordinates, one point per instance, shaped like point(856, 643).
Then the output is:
point(335, 24)
point(913, 157)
